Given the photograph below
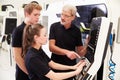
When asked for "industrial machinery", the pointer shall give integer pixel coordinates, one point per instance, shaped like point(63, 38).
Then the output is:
point(96, 47)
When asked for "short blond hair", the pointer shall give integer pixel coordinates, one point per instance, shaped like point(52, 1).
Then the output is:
point(30, 7)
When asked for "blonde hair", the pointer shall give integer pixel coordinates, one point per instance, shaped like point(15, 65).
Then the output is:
point(30, 7)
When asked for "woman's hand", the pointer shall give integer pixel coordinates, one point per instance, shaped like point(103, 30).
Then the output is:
point(77, 65)
point(80, 66)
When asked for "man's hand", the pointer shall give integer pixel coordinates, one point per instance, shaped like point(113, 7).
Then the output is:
point(72, 55)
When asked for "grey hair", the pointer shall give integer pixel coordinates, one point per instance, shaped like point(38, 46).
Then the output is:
point(71, 8)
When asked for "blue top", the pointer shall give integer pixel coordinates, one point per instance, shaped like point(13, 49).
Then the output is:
point(36, 62)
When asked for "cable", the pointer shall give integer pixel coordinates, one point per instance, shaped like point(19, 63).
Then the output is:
point(111, 63)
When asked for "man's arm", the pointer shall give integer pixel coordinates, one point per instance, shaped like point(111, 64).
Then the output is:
point(60, 51)
point(55, 49)
point(81, 50)
point(18, 59)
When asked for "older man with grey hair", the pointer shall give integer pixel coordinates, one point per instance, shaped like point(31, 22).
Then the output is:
point(65, 41)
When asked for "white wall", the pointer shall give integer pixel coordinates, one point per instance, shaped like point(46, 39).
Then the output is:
point(19, 3)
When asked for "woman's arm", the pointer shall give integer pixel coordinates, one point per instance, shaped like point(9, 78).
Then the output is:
point(63, 75)
point(58, 66)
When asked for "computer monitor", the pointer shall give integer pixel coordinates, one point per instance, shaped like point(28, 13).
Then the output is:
point(9, 24)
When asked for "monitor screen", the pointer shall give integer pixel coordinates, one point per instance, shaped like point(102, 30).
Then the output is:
point(10, 24)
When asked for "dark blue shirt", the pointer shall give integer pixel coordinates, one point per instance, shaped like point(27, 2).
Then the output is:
point(36, 62)
point(66, 39)
point(17, 42)
point(17, 35)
